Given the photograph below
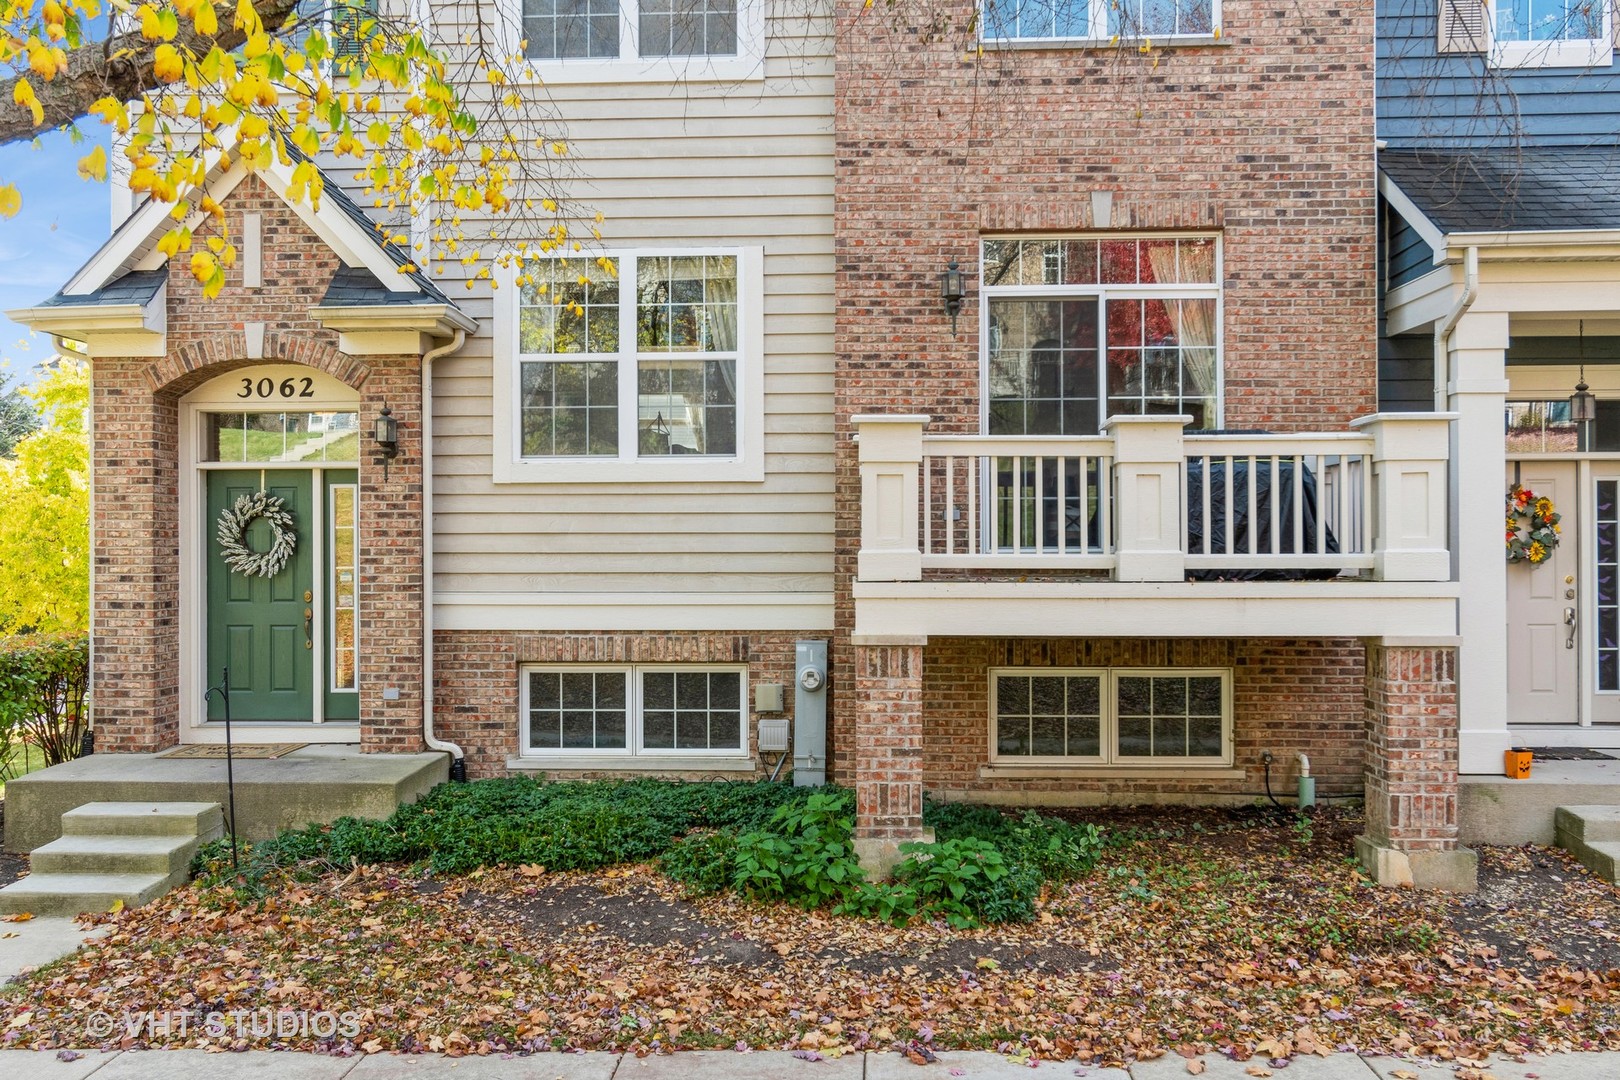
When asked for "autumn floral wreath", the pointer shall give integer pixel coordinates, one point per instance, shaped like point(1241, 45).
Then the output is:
point(231, 532)
point(1532, 526)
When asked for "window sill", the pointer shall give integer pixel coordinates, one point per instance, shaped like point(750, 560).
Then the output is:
point(692, 469)
point(645, 763)
point(1173, 41)
point(1002, 771)
point(1585, 54)
point(686, 69)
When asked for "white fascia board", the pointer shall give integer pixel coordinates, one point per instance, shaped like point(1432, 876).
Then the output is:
point(1179, 609)
point(1536, 245)
point(1414, 217)
point(437, 319)
point(354, 245)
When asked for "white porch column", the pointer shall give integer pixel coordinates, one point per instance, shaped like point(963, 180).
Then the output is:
point(1149, 458)
point(1476, 388)
point(891, 461)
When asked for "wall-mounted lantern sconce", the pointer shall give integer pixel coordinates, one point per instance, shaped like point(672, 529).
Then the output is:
point(951, 290)
point(386, 432)
point(1583, 403)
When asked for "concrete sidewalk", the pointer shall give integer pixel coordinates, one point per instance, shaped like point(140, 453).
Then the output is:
point(727, 1065)
point(32, 944)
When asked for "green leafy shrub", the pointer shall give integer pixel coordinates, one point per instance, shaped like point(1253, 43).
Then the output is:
point(43, 680)
point(1057, 849)
point(806, 856)
point(949, 877)
point(703, 863)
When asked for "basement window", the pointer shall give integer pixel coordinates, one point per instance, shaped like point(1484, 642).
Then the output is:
point(1111, 716)
point(633, 711)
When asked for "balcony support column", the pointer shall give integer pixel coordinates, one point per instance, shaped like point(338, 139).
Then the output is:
point(888, 700)
point(1149, 459)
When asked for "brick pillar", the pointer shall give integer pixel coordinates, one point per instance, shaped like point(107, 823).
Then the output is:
point(888, 704)
point(1411, 836)
point(390, 556)
point(135, 542)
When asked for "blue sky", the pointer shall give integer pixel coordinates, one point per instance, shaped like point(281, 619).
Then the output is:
point(63, 221)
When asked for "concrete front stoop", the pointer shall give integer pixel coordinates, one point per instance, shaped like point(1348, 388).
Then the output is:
point(1592, 835)
point(112, 851)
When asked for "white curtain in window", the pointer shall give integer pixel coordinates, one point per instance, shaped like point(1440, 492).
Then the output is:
point(1197, 322)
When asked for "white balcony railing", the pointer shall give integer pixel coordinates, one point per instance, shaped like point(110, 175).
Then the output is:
point(1144, 502)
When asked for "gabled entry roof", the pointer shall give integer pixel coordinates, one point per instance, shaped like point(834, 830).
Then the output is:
point(1510, 189)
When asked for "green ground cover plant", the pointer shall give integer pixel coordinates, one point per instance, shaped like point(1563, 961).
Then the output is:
point(765, 841)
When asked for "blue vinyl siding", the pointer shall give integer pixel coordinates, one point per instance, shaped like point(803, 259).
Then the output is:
point(1406, 254)
point(1426, 99)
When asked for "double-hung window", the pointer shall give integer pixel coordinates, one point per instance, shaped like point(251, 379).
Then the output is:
point(1080, 329)
point(617, 39)
point(630, 711)
point(1111, 716)
point(1529, 33)
point(635, 365)
point(1095, 21)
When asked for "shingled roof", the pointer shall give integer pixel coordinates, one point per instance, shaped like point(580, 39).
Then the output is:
point(1529, 189)
point(135, 287)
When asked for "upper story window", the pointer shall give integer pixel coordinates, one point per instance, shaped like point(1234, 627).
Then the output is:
point(637, 365)
point(1079, 329)
point(639, 30)
point(1529, 33)
point(1099, 20)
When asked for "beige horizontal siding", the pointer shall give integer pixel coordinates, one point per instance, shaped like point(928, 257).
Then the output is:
point(706, 165)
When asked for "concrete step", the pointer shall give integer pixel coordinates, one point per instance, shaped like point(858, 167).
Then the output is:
point(114, 855)
point(1602, 858)
point(1587, 824)
point(201, 820)
point(74, 894)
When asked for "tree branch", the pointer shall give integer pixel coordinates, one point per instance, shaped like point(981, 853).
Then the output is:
point(118, 67)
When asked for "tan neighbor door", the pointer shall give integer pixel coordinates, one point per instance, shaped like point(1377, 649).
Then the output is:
point(1543, 644)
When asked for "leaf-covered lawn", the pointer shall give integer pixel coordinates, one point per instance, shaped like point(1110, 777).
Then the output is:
point(1237, 934)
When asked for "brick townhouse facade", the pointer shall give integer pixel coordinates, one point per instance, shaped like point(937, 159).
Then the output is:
point(1168, 252)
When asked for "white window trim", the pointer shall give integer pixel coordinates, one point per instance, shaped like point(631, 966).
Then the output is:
point(748, 464)
point(633, 754)
point(1110, 760)
point(1581, 53)
point(629, 66)
point(1099, 36)
point(1102, 293)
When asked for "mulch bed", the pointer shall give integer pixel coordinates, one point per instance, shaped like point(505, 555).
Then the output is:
point(1242, 932)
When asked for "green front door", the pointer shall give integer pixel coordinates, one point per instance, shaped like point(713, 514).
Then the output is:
point(262, 628)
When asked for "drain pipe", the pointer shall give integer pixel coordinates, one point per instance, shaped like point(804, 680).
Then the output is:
point(1307, 782)
point(458, 760)
point(1444, 328)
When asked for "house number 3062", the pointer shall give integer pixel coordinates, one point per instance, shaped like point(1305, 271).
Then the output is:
point(270, 388)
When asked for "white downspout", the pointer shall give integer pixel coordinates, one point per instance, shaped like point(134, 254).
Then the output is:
point(458, 761)
point(1444, 328)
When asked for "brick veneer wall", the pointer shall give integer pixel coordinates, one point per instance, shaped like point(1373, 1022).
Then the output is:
point(1412, 747)
point(1287, 697)
point(1266, 137)
point(136, 543)
point(475, 679)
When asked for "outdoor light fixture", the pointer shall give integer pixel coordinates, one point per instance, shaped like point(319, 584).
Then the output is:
point(386, 432)
point(951, 290)
point(1583, 403)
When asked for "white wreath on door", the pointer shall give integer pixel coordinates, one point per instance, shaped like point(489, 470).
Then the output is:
point(231, 532)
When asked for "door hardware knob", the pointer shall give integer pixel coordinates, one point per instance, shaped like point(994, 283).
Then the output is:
point(1569, 621)
point(1569, 594)
point(309, 621)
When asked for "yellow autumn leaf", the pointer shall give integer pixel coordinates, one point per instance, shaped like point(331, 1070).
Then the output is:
point(204, 19)
point(93, 166)
point(151, 25)
point(167, 63)
point(24, 95)
point(10, 203)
